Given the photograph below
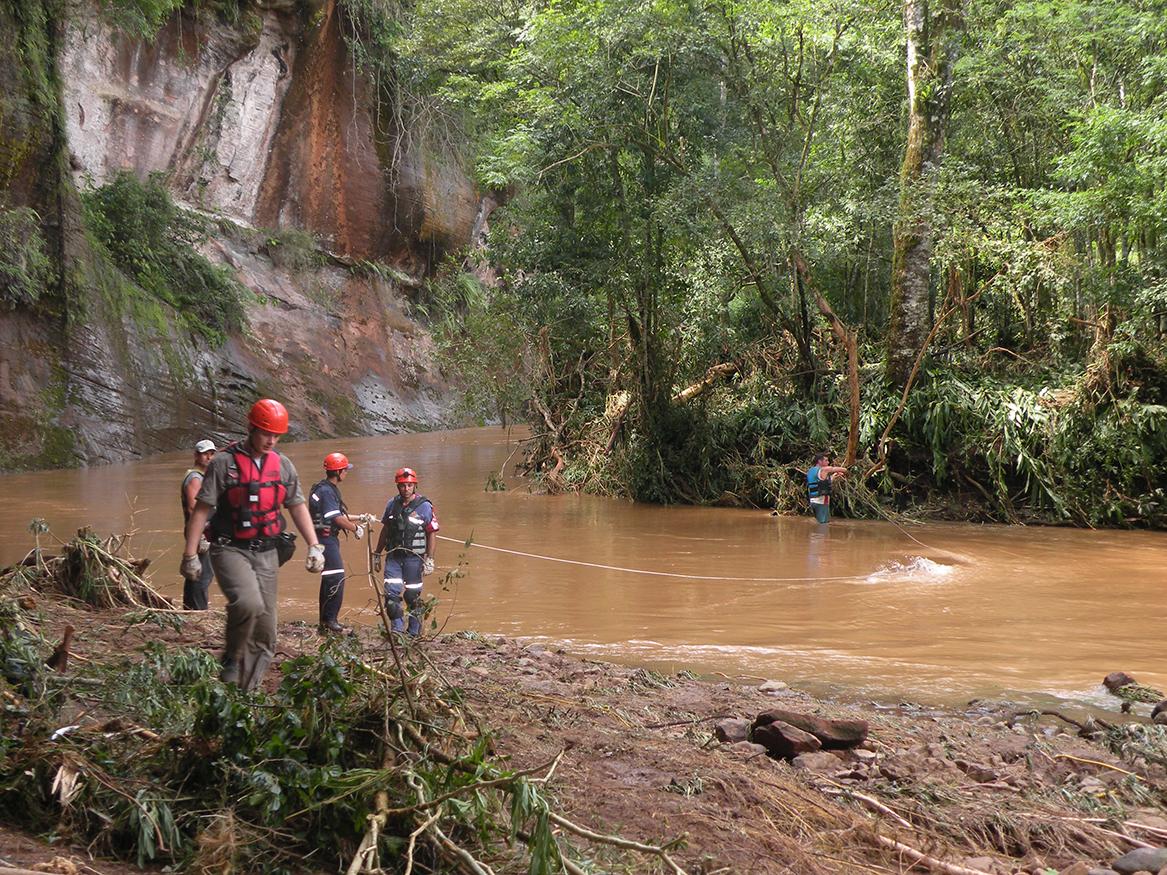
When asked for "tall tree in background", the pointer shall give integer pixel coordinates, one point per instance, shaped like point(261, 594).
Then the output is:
point(933, 34)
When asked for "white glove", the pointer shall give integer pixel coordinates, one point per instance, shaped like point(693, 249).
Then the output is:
point(359, 532)
point(204, 545)
point(315, 560)
point(367, 518)
point(427, 565)
point(191, 568)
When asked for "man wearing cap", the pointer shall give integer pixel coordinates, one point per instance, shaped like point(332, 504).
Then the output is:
point(243, 491)
point(409, 531)
point(330, 518)
point(194, 592)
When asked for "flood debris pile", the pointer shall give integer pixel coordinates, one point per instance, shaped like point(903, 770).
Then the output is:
point(469, 754)
point(95, 570)
point(1033, 797)
point(361, 757)
point(1130, 691)
point(764, 778)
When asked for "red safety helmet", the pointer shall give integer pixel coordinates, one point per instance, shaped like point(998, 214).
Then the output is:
point(336, 462)
point(269, 415)
point(405, 475)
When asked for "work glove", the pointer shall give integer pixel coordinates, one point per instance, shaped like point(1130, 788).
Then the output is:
point(377, 562)
point(367, 518)
point(359, 532)
point(191, 568)
point(315, 560)
point(427, 565)
point(204, 545)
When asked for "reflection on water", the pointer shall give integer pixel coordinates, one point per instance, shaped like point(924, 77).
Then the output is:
point(935, 613)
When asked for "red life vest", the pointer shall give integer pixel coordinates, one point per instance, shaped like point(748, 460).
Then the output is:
point(250, 505)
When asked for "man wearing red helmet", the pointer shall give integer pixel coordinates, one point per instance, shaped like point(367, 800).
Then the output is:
point(243, 490)
point(408, 530)
point(330, 517)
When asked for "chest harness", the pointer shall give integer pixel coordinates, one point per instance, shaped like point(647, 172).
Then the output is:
point(249, 507)
point(818, 487)
point(406, 530)
point(324, 527)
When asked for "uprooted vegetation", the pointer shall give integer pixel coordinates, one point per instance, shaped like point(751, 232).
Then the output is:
point(467, 754)
point(354, 756)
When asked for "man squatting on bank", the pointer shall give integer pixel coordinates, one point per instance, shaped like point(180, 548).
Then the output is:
point(194, 592)
point(408, 529)
point(331, 517)
point(243, 490)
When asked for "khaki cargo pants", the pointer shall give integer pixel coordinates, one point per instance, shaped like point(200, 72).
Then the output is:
point(249, 581)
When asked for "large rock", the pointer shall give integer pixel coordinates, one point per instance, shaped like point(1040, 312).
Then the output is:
point(821, 761)
point(783, 741)
point(271, 126)
point(731, 730)
point(1141, 860)
point(1116, 680)
point(833, 734)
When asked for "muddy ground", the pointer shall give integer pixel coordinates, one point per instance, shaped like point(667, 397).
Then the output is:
point(984, 791)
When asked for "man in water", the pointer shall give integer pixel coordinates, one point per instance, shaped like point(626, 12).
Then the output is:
point(818, 485)
point(408, 530)
point(244, 488)
point(194, 592)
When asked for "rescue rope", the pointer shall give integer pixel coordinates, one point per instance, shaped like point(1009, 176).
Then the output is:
point(956, 557)
point(645, 571)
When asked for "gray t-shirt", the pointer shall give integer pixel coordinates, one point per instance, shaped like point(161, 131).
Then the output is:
point(215, 480)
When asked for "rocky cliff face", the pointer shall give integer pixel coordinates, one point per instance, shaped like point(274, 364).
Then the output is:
point(267, 125)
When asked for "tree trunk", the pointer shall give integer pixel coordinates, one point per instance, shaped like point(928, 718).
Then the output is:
point(933, 33)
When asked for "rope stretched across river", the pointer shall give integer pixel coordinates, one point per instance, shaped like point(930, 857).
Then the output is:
point(471, 543)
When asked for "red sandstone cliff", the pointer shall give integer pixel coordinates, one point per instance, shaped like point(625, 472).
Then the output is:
point(268, 125)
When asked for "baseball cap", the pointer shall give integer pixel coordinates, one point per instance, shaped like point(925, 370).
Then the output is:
point(204, 446)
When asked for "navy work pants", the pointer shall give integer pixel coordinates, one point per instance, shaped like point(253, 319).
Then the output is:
point(331, 581)
point(403, 581)
point(194, 592)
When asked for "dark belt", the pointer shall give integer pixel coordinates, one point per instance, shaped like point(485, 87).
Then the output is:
point(252, 545)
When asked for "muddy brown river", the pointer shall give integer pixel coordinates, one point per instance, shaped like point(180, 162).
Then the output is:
point(930, 613)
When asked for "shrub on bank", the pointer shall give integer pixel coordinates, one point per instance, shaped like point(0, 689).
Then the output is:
point(1041, 447)
point(25, 269)
point(152, 241)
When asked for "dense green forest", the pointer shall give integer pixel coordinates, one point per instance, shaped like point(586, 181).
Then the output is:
point(926, 236)
point(730, 234)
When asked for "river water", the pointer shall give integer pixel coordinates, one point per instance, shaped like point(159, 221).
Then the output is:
point(938, 613)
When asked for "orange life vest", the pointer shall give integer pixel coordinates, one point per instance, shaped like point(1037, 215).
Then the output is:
point(250, 505)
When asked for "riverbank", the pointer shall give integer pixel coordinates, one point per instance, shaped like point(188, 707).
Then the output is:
point(629, 761)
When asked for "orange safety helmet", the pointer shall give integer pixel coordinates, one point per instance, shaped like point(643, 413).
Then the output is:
point(405, 475)
point(336, 462)
point(269, 415)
